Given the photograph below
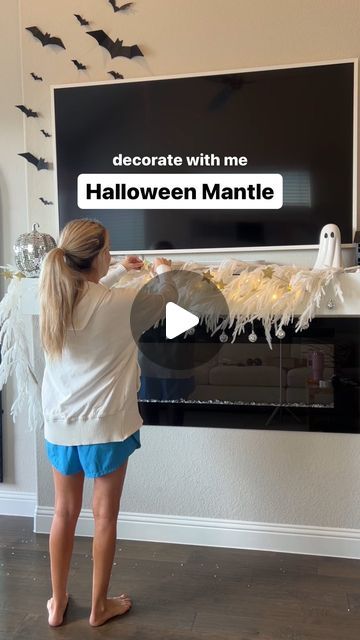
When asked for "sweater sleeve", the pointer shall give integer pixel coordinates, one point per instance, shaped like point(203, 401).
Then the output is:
point(113, 275)
point(150, 305)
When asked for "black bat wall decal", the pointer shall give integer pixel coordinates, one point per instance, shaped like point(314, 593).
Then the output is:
point(122, 8)
point(45, 38)
point(28, 112)
point(116, 75)
point(45, 133)
point(39, 163)
point(45, 201)
point(115, 48)
point(79, 65)
point(35, 76)
point(83, 22)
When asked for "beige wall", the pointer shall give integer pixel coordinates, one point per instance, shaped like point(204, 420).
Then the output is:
point(245, 475)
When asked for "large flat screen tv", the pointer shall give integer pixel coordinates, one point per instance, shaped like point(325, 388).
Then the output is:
point(296, 121)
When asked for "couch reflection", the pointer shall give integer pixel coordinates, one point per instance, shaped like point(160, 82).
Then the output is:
point(252, 373)
point(290, 374)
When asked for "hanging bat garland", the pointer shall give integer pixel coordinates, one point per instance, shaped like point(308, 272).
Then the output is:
point(45, 133)
point(39, 163)
point(28, 112)
point(83, 22)
point(79, 65)
point(115, 47)
point(116, 75)
point(45, 38)
point(122, 8)
point(46, 202)
point(33, 75)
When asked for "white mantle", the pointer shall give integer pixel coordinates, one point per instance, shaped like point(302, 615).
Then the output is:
point(350, 284)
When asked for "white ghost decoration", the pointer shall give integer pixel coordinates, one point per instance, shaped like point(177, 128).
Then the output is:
point(329, 254)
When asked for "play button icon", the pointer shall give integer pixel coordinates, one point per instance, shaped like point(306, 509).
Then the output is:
point(177, 334)
point(178, 320)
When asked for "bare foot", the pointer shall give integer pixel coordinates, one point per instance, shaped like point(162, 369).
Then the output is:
point(56, 613)
point(113, 607)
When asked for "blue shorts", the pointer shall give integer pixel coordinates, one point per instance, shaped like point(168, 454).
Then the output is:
point(94, 460)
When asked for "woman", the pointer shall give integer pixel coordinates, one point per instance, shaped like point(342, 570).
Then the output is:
point(89, 398)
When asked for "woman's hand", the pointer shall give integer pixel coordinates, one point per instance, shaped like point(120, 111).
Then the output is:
point(132, 262)
point(158, 261)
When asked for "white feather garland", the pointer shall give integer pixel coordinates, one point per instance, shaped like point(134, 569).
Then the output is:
point(274, 294)
point(15, 357)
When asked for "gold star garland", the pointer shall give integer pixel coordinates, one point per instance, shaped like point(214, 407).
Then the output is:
point(9, 274)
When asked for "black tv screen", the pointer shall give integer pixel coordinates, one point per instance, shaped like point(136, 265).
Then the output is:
point(296, 122)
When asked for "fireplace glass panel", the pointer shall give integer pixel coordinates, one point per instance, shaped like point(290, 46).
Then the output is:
point(309, 380)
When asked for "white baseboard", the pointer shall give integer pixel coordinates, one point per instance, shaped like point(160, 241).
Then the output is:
point(17, 503)
point(319, 541)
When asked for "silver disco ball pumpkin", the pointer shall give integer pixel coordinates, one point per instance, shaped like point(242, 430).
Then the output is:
point(30, 250)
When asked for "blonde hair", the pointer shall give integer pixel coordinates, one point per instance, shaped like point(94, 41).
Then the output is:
point(63, 278)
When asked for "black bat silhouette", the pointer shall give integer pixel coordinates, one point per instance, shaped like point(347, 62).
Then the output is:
point(45, 38)
point(46, 134)
point(115, 48)
point(123, 6)
point(45, 201)
point(83, 22)
point(39, 163)
point(79, 65)
point(116, 75)
point(28, 112)
point(35, 76)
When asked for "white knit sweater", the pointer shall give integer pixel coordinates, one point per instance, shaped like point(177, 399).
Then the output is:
point(89, 395)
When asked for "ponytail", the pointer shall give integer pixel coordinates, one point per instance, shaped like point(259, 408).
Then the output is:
point(63, 278)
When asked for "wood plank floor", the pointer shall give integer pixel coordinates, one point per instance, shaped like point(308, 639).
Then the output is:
point(181, 592)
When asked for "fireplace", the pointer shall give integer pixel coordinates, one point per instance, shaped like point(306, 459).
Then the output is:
point(308, 381)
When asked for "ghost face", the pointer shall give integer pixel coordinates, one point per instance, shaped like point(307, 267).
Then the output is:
point(329, 255)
